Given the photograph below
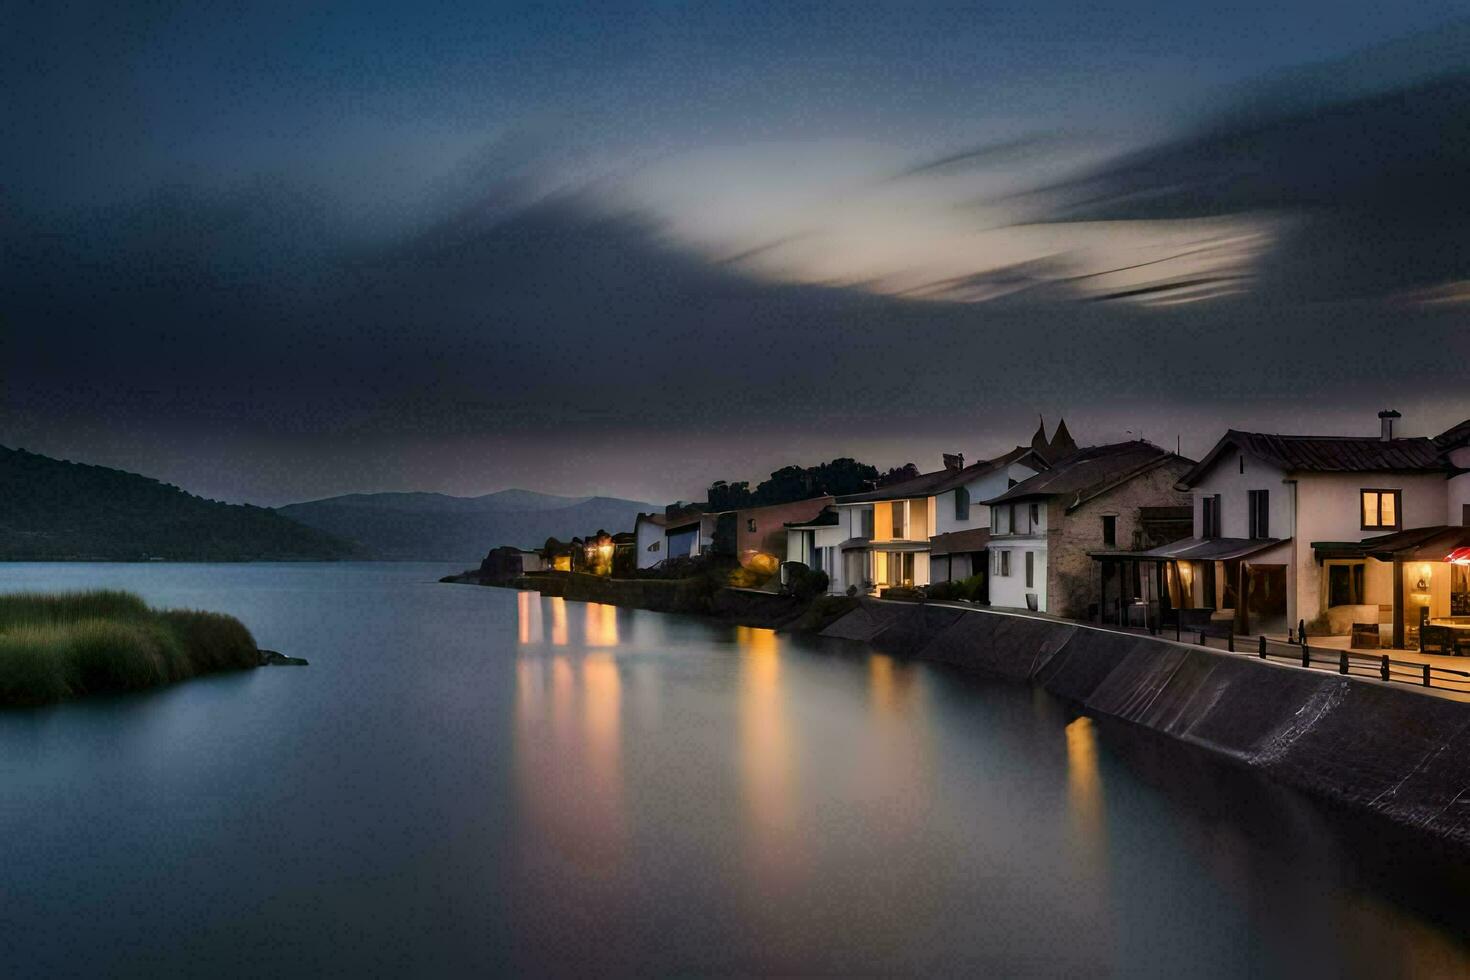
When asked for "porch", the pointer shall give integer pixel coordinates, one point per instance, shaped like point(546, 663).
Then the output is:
point(1224, 584)
point(1416, 581)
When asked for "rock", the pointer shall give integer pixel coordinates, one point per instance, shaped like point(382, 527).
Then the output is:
point(274, 659)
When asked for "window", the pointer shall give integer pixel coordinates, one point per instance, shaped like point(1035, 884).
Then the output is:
point(866, 522)
point(1242, 462)
point(962, 504)
point(1210, 517)
point(1030, 569)
point(899, 514)
point(1035, 515)
point(1381, 509)
point(750, 524)
point(817, 559)
point(1002, 519)
point(1260, 504)
point(655, 546)
point(1345, 585)
point(1110, 530)
point(1005, 563)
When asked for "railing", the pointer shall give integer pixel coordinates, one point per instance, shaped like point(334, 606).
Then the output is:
point(1381, 666)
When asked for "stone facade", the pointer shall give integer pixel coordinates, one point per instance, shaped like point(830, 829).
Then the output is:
point(1071, 535)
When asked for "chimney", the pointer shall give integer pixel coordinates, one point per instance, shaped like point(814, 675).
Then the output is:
point(1385, 422)
point(954, 461)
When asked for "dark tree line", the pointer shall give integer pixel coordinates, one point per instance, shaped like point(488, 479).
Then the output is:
point(840, 476)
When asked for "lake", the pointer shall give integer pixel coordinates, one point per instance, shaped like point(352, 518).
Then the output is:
point(471, 780)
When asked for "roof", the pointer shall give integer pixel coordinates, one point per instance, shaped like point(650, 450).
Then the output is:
point(1431, 543)
point(939, 481)
point(658, 519)
point(858, 544)
point(1454, 437)
point(1328, 454)
point(960, 542)
point(1198, 549)
point(827, 518)
point(1090, 472)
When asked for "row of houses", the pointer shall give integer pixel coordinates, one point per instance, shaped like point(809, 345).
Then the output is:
point(1264, 532)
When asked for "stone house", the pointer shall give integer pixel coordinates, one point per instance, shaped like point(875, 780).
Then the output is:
point(1044, 529)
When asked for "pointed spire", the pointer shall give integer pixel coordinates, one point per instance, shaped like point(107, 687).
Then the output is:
point(1062, 443)
point(1038, 441)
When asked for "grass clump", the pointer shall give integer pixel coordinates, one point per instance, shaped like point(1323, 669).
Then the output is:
point(64, 645)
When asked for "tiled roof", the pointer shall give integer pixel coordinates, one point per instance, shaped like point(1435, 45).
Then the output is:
point(1454, 437)
point(1329, 454)
point(1088, 472)
point(960, 542)
point(929, 484)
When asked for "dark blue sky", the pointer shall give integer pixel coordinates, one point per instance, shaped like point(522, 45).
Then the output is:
point(271, 252)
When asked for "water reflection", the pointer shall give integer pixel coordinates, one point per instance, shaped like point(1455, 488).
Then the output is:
point(1084, 784)
point(528, 617)
point(558, 621)
point(601, 624)
point(568, 747)
point(767, 755)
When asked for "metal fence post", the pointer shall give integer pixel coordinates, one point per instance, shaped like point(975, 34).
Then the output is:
point(1306, 655)
point(1263, 646)
point(1342, 663)
point(1426, 676)
point(1301, 630)
point(1230, 641)
point(1384, 668)
point(1201, 637)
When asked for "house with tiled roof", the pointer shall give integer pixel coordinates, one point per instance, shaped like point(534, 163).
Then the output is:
point(1044, 529)
point(932, 528)
point(1334, 531)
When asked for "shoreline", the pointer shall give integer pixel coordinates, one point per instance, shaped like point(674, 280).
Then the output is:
point(1364, 746)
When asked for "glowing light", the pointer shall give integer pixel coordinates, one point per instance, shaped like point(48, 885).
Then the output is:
point(558, 622)
point(601, 625)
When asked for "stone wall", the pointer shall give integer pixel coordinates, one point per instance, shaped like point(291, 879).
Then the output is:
point(1393, 750)
point(1072, 535)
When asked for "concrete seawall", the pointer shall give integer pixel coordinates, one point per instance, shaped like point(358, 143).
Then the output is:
point(1391, 750)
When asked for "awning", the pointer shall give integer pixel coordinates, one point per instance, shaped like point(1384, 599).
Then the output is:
point(864, 544)
point(960, 542)
point(1197, 549)
point(1435, 543)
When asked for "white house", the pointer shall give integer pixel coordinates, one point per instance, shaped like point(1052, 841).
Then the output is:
point(1326, 530)
point(649, 539)
point(959, 545)
point(815, 542)
point(932, 528)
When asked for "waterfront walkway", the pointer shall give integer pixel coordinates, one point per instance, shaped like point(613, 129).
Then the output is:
point(1449, 677)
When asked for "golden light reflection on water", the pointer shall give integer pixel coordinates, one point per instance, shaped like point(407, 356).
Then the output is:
point(1084, 784)
point(601, 625)
point(558, 621)
point(528, 617)
point(891, 686)
point(767, 755)
point(569, 751)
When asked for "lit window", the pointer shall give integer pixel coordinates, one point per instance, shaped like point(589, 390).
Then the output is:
point(1380, 509)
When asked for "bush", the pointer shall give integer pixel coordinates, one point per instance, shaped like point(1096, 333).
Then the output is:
point(966, 590)
point(804, 582)
point(59, 646)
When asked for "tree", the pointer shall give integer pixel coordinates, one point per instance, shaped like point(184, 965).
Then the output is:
point(898, 475)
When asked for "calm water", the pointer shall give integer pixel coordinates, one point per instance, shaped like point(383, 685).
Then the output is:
point(469, 780)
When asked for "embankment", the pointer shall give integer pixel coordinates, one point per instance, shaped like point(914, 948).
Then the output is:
point(1394, 751)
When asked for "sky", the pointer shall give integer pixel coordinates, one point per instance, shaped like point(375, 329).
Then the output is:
point(274, 252)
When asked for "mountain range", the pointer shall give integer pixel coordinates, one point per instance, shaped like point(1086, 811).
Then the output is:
point(54, 510)
point(436, 526)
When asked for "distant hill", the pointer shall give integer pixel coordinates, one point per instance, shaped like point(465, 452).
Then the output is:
point(51, 509)
point(436, 526)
